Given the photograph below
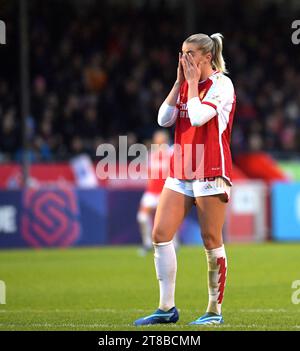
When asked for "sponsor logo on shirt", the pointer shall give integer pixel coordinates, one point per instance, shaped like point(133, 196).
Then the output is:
point(183, 112)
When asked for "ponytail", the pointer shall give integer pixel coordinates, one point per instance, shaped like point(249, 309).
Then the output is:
point(217, 56)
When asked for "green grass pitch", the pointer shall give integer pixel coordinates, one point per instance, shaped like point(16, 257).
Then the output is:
point(108, 288)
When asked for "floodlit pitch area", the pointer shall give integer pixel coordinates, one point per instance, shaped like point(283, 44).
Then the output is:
point(108, 288)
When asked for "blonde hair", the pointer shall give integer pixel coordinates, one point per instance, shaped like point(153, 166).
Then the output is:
point(212, 44)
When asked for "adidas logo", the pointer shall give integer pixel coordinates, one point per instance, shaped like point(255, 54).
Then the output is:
point(208, 186)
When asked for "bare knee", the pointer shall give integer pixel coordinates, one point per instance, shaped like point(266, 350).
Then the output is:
point(211, 240)
point(159, 235)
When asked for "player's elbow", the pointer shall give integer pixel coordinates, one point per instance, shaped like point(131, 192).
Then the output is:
point(166, 115)
point(162, 123)
point(159, 122)
point(165, 120)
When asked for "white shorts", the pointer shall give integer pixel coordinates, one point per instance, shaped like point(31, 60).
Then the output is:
point(195, 188)
point(149, 200)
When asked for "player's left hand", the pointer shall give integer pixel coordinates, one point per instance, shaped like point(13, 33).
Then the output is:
point(192, 72)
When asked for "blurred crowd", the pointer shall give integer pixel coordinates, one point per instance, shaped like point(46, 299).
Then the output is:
point(102, 70)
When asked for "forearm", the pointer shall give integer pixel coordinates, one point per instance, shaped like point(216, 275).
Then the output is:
point(193, 89)
point(199, 113)
point(171, 99)
point(168, 111)
point(167, 115)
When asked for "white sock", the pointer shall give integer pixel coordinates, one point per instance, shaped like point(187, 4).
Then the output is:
point(176, 242)
point(217, 271)
point(166, 268)
point(145, 224)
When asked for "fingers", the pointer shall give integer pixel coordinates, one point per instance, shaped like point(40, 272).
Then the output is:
point(185, 63)
point(180, 61)
point(184, 66)
point(189, 63)
point(191, 60)
point(193, 65)
point(190, 69)
point(186, 59)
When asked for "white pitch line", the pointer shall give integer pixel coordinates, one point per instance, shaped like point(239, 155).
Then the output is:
point(96, 310)
point(64, 325)
point(270, 310)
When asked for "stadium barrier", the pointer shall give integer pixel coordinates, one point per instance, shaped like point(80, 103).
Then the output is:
point(63, 216)
point(69, 216)
point(285, 214)
point(246, 218)
point(52, 217)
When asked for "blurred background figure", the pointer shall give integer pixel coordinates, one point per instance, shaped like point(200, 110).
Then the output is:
point(159, 159)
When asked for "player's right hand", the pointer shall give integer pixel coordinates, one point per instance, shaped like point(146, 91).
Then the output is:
point(180, 76)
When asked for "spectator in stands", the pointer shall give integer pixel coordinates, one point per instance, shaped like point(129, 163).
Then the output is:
point(103, 74)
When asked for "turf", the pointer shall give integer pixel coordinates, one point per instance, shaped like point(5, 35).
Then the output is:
point(108, 288)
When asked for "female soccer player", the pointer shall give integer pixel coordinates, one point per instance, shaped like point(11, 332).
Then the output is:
point(159, 166)
point(202, 104)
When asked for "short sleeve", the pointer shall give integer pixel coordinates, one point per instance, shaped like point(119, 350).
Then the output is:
point(220, 93)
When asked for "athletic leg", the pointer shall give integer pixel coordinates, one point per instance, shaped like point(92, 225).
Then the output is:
point(211, 214)
point(172, 209)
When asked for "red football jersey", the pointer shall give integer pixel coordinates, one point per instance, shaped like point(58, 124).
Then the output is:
point(212, 140)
